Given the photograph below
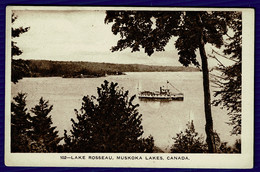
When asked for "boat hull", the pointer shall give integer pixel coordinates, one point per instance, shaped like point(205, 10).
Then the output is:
point(160, 98)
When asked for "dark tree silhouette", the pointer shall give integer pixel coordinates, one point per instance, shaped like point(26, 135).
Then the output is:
point(109, 122)
point(20, 124)
point(152, 31)
point(32, 133)
point(237, 146)
point(188, 141)
point(230, 79)
point(19, 67)
point(44, 136)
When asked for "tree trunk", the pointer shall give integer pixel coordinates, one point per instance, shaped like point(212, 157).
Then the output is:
point(207, 102)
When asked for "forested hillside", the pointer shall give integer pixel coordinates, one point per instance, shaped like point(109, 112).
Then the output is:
point(45, 68)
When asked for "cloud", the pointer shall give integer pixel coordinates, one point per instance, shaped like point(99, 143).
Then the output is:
point(79, 36)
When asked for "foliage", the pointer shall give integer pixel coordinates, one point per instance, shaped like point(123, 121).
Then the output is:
point(230, 80)
point(16, 32)
point(43, 134)
point(223, 147)
point(32, 133)
point(152, 30)
point(236, 148)
point(19, 67)
point(20, 124)
point(136, 29)
point(108, 123)
point(188, 141)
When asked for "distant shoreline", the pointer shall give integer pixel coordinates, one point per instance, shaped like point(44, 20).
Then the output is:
point(71, 69)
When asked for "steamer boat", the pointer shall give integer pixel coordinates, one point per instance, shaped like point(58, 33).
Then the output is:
point(162, 94)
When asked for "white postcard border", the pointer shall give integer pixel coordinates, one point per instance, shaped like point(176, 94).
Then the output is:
point(243, 160)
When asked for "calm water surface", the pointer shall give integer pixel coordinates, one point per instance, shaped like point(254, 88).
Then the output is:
point(160, 119)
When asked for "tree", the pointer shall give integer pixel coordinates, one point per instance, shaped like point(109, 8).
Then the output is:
point(230, 80)
point(188, 141)
point(237, 146)
point(109, 122)
point(153, 30)
point(19, 67)
point(225, 148)
point(43, 135)
point(20, 124)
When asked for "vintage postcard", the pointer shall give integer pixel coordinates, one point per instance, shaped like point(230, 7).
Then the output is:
point(129, 87)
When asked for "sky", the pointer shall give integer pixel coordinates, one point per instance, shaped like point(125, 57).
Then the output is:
point(81, 35)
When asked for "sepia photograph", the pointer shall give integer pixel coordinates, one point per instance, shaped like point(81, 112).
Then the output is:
point(120, 86)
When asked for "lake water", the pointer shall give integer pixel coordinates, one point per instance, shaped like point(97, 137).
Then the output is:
point(160, 119)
